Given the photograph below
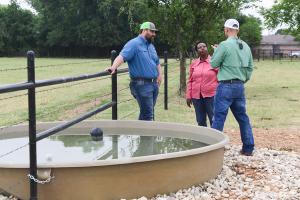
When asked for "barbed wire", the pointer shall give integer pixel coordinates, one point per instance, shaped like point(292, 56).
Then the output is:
point(65, 64)
point(122, 90)
point(14, 150)
point(55, 88)
point(12, 97)
point(127, 100)
point(47, 66)
point(62, 105)
point(74, 84)
point(12, 69)
point(127, 115)
point(77, 104)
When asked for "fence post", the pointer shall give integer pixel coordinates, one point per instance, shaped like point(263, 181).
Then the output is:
point(166, 79)
point(114, 89)
point(32, 124)
point(280, 56)
point(291, 55)
point(258, 58)
point(263, 54)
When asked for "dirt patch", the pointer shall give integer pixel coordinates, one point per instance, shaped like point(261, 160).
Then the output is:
point(287, 139)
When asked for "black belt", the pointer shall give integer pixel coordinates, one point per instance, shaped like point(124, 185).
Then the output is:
point(151, 80)
point(232, 81)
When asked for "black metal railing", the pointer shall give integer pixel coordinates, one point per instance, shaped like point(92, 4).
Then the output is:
point(32, 84)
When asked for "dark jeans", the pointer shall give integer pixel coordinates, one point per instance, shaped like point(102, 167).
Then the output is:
point(204, 107)
point(146, 94)
point(231, 95)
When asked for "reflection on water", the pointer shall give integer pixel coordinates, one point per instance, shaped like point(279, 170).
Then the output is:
point(72, 148)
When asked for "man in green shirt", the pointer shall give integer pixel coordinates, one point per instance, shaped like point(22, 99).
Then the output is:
point(233, 57)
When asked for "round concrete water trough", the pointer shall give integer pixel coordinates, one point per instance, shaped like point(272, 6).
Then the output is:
point(123, 177)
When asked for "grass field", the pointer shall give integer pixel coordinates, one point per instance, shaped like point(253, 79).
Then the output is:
point(272, 94)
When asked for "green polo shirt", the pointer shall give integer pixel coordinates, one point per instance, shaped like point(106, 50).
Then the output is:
point(233, 62)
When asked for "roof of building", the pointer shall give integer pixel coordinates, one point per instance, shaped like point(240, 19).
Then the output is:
point(279, 39)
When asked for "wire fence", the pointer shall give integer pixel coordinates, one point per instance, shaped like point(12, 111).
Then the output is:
point(13, 69)
point(67, 64)
point(67, 85)
point(73, 105)
point(6, 69)
point(13, 150)
point(72, 64)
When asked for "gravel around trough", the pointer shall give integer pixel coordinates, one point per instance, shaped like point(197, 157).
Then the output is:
point(268, 174)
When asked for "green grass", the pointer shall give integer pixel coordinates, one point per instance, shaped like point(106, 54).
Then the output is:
point(273, 97)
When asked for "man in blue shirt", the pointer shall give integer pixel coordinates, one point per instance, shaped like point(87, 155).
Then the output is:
point(144, 69)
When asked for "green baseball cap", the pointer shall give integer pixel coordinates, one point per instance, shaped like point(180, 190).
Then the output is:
point(148, 25)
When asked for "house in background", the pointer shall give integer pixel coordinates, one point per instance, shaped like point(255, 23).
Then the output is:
point(282, 45)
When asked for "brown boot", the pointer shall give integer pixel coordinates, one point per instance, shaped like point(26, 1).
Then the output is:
point(245, 153)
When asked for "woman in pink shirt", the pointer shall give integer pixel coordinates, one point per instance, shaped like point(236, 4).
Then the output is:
point(202, 85)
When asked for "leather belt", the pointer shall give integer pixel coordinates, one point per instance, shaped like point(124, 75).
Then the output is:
point(232, 81)
point(150, 80)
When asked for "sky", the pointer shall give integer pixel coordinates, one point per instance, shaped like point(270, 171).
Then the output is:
point(252, 11)
point(255, 12)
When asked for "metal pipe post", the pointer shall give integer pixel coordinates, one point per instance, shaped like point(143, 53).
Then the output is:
point(32, 124)
point(166, 80)
point(114, 88)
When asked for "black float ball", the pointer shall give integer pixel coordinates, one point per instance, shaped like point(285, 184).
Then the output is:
point(97, 134)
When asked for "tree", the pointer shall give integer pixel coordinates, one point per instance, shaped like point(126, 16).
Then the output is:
point(17, 32)
point(282, 32)
point(182, 22)
point(284, 12)
point(250, 30)
point(71, 24)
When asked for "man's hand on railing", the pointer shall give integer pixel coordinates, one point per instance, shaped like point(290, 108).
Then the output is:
point(117, 62)
point(111, 70)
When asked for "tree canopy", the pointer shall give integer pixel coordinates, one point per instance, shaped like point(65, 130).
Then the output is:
point(94, 27)
point(183, 22)
point(17, 31)
point(284, 12)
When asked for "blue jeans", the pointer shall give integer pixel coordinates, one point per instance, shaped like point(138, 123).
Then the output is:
point(231, 95)
point(204, 107)
point(146, 94)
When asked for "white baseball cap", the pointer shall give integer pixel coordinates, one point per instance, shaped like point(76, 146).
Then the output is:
point(232, 23)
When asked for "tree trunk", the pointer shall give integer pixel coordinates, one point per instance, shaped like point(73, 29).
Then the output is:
point(182, 59)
